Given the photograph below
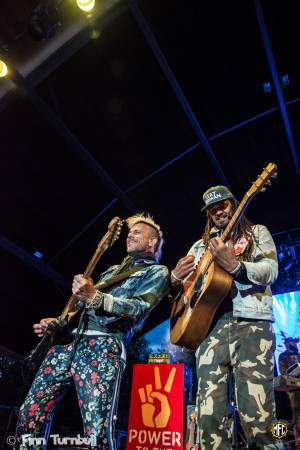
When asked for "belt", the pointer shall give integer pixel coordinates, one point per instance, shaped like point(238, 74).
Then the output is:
point(229, 315)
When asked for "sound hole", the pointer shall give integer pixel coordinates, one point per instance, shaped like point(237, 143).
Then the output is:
point(197, 290)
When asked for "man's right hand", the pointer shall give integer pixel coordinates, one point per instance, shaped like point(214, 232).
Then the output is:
point(41, 328)
point(184, 266)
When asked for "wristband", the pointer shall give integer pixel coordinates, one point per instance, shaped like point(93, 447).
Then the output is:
point(97, 301)
point(236, 270)
point(176, 278)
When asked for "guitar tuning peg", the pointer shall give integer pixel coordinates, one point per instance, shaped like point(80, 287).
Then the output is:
point(274, 175)
point(263, 189)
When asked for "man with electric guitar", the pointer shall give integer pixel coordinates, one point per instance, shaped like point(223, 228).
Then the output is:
point(90, 351)
point(223, 310)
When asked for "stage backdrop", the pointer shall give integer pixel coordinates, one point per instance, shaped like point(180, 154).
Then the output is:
point(287, 318)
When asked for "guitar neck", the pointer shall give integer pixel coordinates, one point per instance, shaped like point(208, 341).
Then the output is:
point(93, 262)
point(87, 273)
point(259, 185)
point(108, 239)
point(236, 217)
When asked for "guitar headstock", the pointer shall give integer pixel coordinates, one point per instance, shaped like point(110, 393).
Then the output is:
point(259, 185)
point(118, 229)
point(263, 180)
point(112, 234)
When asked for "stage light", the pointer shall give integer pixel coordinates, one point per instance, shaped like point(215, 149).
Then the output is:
point(86, 5)
point(38, 254)
point(267, 87)
point(3, 69)
point(45, 19)
point(285, 80)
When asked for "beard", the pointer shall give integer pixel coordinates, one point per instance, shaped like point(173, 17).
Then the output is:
point(222, 221)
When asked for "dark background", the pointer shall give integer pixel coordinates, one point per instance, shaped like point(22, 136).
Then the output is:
point(113, 96)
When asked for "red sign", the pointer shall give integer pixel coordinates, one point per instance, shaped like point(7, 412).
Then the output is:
point(156, 407)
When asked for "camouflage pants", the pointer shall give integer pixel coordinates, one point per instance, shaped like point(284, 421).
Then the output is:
point(247, 347)
point(294, 397)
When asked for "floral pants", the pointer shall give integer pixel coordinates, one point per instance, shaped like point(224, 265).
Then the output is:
point(96, 370)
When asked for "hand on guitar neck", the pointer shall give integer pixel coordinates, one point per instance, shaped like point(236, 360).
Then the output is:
point(83, 288)
point(224, 254)
point(184, 266)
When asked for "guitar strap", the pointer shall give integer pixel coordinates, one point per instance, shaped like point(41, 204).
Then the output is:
point(117, 278)
point(241, 245)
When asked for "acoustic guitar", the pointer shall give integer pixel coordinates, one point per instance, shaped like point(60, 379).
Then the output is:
point(57, 327)
point(208, 285)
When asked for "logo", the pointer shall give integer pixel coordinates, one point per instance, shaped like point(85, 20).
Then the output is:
point(279, 430)
point(212, 196)
point(151, 417)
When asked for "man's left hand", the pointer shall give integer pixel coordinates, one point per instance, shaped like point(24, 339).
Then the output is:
point(223, 254)
point(83, 288)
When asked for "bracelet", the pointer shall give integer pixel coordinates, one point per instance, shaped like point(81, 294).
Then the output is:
point(97, 301)
point(233, 272)
point(176, 278)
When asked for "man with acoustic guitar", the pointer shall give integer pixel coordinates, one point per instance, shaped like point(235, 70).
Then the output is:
point(93, 355)
point(240, 337)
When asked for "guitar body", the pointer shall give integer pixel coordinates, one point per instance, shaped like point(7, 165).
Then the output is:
point(203, 293)
point(36, 357)
point(32, 363)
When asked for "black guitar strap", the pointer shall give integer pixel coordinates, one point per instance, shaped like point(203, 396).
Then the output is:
point(117, 278)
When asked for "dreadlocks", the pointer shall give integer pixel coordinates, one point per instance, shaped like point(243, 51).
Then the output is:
point(244, 228)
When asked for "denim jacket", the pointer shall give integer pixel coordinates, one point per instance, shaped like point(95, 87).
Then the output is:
point(253, 298)
point(127, 305)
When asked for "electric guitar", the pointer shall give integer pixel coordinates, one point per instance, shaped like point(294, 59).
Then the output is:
point(207, 286)
point(56, 327)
